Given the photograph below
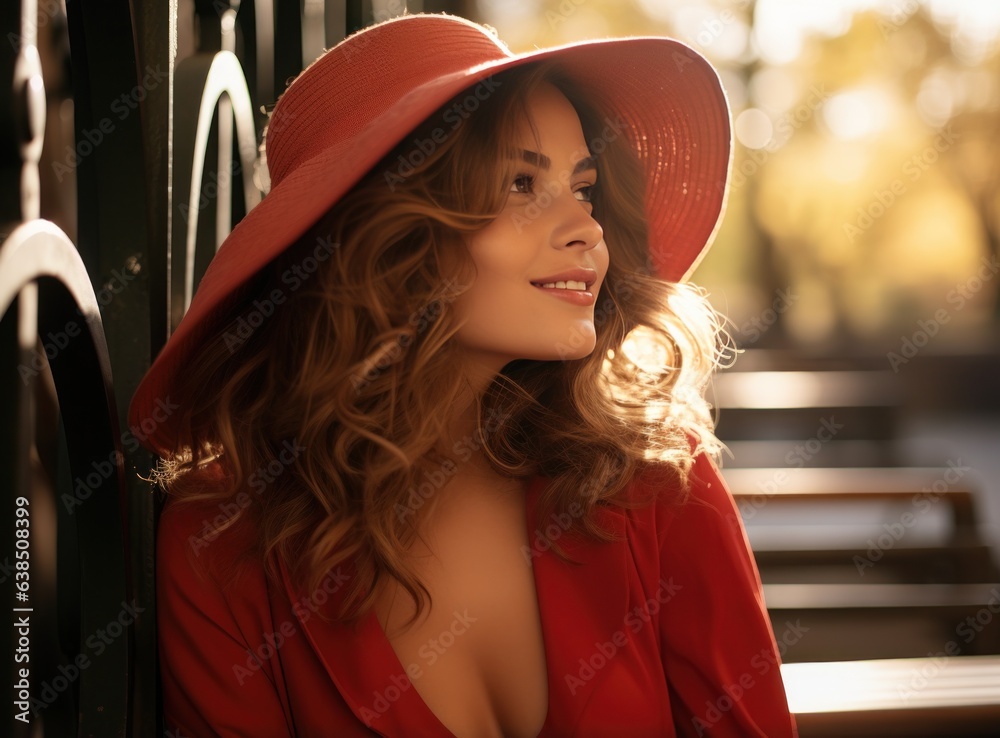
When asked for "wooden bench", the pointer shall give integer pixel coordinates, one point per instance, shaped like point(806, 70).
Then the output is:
point(785, 390)
point(873, 593)
point(835, 453)
point(881, 597)
point(759, 406)
point(955, 563)
point(950, 486)
point(912, 535)
point(937, 696)
point(855, 621)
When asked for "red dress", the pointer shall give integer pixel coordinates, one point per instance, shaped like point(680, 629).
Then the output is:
point(663, 633)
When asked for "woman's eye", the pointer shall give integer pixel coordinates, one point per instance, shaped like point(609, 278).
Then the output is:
point(523, 184)
point(586, 193)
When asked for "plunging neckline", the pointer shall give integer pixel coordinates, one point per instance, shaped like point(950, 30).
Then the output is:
point(410, 697)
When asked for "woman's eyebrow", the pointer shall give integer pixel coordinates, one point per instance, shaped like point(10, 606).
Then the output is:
point(543, 162)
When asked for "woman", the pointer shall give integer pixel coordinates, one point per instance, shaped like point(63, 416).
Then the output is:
point(441, 463)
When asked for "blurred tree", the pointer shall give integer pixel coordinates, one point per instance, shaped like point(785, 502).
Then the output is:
point(865, 195)
point(464, 8)
point(975, 159)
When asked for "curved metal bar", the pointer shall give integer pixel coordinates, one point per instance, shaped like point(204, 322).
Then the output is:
point(39, 248)
point(214, 76)
point(39, 253)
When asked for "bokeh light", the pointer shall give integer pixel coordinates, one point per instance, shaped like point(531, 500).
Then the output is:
point(864, 177)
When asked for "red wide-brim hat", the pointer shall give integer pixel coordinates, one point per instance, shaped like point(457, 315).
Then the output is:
point(358, 100)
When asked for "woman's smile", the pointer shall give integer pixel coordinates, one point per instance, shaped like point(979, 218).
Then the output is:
point(573, 295)
point(573, 285)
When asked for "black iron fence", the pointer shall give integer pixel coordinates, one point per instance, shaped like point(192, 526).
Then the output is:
point(129, 141)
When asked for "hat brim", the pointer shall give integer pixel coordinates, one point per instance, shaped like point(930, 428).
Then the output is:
point(674, 113)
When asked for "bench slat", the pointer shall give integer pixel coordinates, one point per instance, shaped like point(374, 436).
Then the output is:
point(892, 684)
point(879, 596)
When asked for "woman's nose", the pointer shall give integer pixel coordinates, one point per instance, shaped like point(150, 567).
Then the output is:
point(574, 223)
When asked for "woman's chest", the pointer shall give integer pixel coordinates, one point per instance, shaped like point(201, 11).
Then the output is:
point(476, 657)
point(479, 662)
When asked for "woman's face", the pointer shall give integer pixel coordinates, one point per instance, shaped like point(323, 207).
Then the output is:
point(541, 263)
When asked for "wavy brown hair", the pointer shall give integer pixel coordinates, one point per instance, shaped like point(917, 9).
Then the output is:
point(350, 359)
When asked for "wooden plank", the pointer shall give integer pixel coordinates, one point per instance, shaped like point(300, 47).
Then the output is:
point(883, 621)
point(881, 596)
point(759, 405)
point(936, 696)
point(921, 486)
point(886, 482)
point(772, 390)
point(757, 452)
point(892, 684)
point(958, 563)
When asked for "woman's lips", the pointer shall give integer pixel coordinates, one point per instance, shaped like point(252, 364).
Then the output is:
point(575, 297)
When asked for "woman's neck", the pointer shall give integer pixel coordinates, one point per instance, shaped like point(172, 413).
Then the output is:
point(463, 436)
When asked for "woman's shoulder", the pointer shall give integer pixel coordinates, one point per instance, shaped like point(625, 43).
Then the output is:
point(661, 496)
point(665, 482)
point(210, 538)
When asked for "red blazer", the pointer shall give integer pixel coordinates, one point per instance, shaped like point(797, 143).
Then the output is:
point(664, 633)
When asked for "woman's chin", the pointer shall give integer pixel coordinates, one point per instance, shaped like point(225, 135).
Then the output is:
point(571, 351)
